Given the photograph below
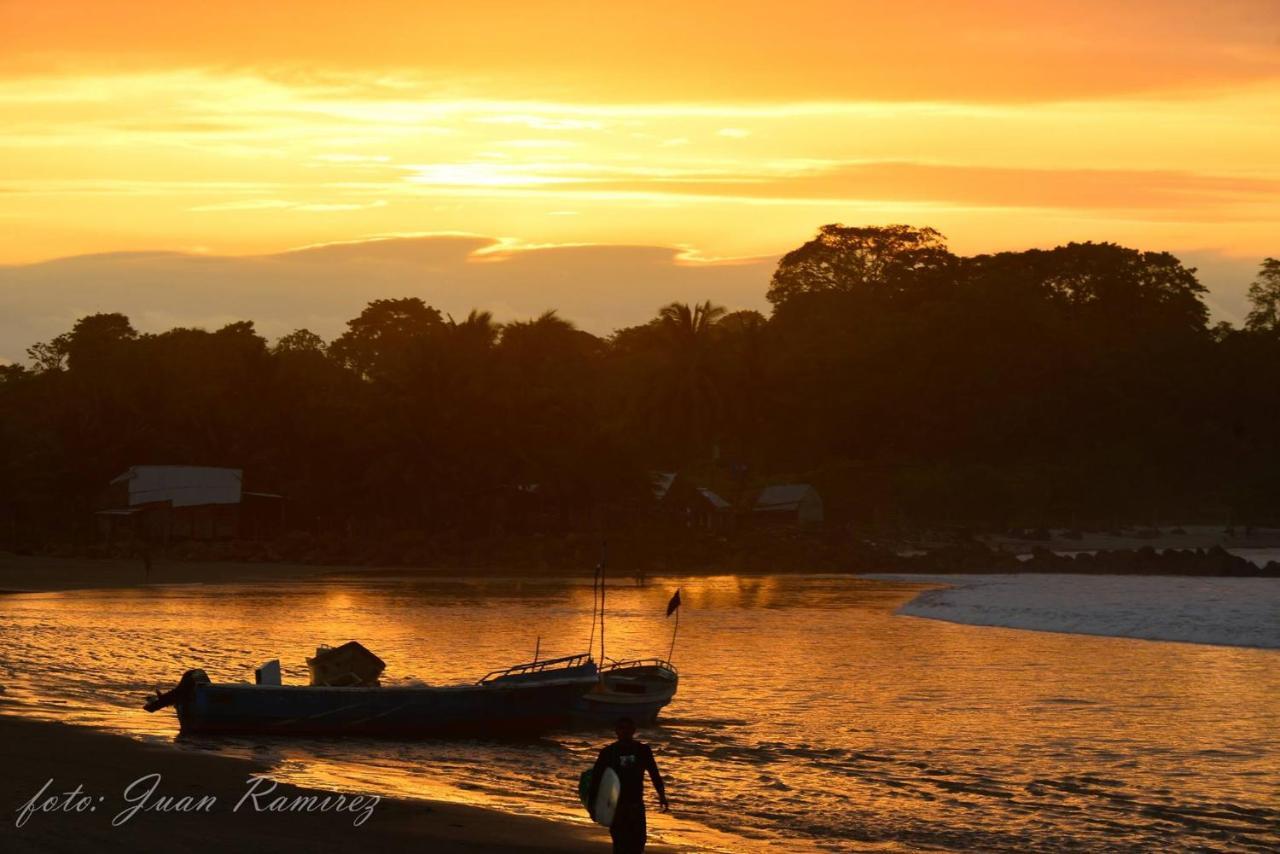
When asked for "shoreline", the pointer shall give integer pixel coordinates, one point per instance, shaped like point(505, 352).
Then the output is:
point(1207, 610)
point(28, 574)
point(48, 574)
point(766, 553)
point(104, 765)
point(42, 574)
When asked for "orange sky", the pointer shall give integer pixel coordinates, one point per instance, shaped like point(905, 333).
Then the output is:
point(727, 130)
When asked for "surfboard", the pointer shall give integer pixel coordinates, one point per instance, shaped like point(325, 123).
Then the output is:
point(606, 798)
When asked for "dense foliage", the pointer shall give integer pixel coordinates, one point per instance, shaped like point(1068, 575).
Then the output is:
point(1081, 384)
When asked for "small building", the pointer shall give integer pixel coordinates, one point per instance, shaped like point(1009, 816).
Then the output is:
point(787, 503)
point(692, 506)
point(164, 503)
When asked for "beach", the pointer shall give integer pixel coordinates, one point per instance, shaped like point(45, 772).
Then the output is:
point(1199, 609)
point(30, 574)
point(945, 736)
point(104, 766)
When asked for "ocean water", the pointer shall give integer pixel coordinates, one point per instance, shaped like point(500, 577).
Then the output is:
point(809, 716)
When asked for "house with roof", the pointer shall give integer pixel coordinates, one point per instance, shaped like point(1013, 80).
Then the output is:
point(164, 503)
point(787, 504)
point(685, 503)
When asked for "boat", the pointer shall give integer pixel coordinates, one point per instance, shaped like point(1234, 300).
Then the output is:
point(514, 702)
point(637, 689)
point(345, 697)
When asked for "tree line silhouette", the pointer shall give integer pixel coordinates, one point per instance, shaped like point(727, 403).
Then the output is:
point(1073, 386)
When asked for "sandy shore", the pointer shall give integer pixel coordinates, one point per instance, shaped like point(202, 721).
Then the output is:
point(32, 574)
point(104, 765)
point(1187, 609)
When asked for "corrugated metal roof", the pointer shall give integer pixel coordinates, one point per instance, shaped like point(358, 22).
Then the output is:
point(783, 496)
point(185, 486)
point(716, 501)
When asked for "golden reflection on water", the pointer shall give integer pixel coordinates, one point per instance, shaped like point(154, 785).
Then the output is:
point(808, 713)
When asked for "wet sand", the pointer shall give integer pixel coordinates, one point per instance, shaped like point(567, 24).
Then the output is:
point(104, 766)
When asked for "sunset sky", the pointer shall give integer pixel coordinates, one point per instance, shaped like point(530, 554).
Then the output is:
point(722, 131)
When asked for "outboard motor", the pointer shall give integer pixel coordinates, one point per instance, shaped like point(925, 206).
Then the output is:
point(180, 693)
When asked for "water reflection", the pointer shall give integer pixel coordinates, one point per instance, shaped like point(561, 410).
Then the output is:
point(808, 714)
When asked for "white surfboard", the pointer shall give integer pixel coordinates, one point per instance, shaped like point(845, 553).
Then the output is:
point(607, 797)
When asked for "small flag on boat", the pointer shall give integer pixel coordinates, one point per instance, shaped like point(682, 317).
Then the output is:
point(673, 604)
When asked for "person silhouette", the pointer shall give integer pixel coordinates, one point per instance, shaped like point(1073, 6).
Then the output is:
point(629, 759)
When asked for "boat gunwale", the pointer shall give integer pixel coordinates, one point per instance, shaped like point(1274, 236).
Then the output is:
point(586, 681)
point(660, 665)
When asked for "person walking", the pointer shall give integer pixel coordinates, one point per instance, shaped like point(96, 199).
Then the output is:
point(629, 759)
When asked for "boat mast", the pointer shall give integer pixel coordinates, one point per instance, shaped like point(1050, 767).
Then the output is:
point(671, 652)
point(603, 552)
point(595, 607)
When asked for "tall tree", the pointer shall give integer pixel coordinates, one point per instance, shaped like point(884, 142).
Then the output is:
point(741, 356)
point(1264, 298)
point(477, 328)
point(875, 260)
point(299, 341)
point(92, 338)
point(687, 390)
point(387, 334)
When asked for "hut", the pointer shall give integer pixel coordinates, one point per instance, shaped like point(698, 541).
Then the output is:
point(788, 504)
point(684, 503)
point(163, 503)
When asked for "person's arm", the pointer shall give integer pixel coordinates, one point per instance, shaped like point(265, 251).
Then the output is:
point(597, 774)
point(656, 776)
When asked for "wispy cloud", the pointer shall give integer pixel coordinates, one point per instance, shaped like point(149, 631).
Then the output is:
point(245, 205)
point(452, 272)
point(180, 145)
point(280, 204)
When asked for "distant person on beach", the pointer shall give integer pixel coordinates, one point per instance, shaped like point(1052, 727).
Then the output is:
point(629, 759)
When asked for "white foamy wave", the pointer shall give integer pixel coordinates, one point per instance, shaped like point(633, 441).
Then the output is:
point(1222, 611)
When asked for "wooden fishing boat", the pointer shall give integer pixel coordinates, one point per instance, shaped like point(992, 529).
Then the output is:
point(632, 689)
point(637, 689)
point(519, 701)
point(345, 697)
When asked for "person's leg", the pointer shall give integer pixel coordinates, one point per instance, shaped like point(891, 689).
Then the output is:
point(618, 830)
point(628, 829)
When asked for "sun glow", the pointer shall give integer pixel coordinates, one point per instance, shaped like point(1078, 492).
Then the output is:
point(127, 133)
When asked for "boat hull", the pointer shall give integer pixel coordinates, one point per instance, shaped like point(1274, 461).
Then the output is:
point(487, 710)
point(636, 690)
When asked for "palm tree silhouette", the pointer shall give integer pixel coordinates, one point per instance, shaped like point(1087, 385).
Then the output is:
point(687, 390)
